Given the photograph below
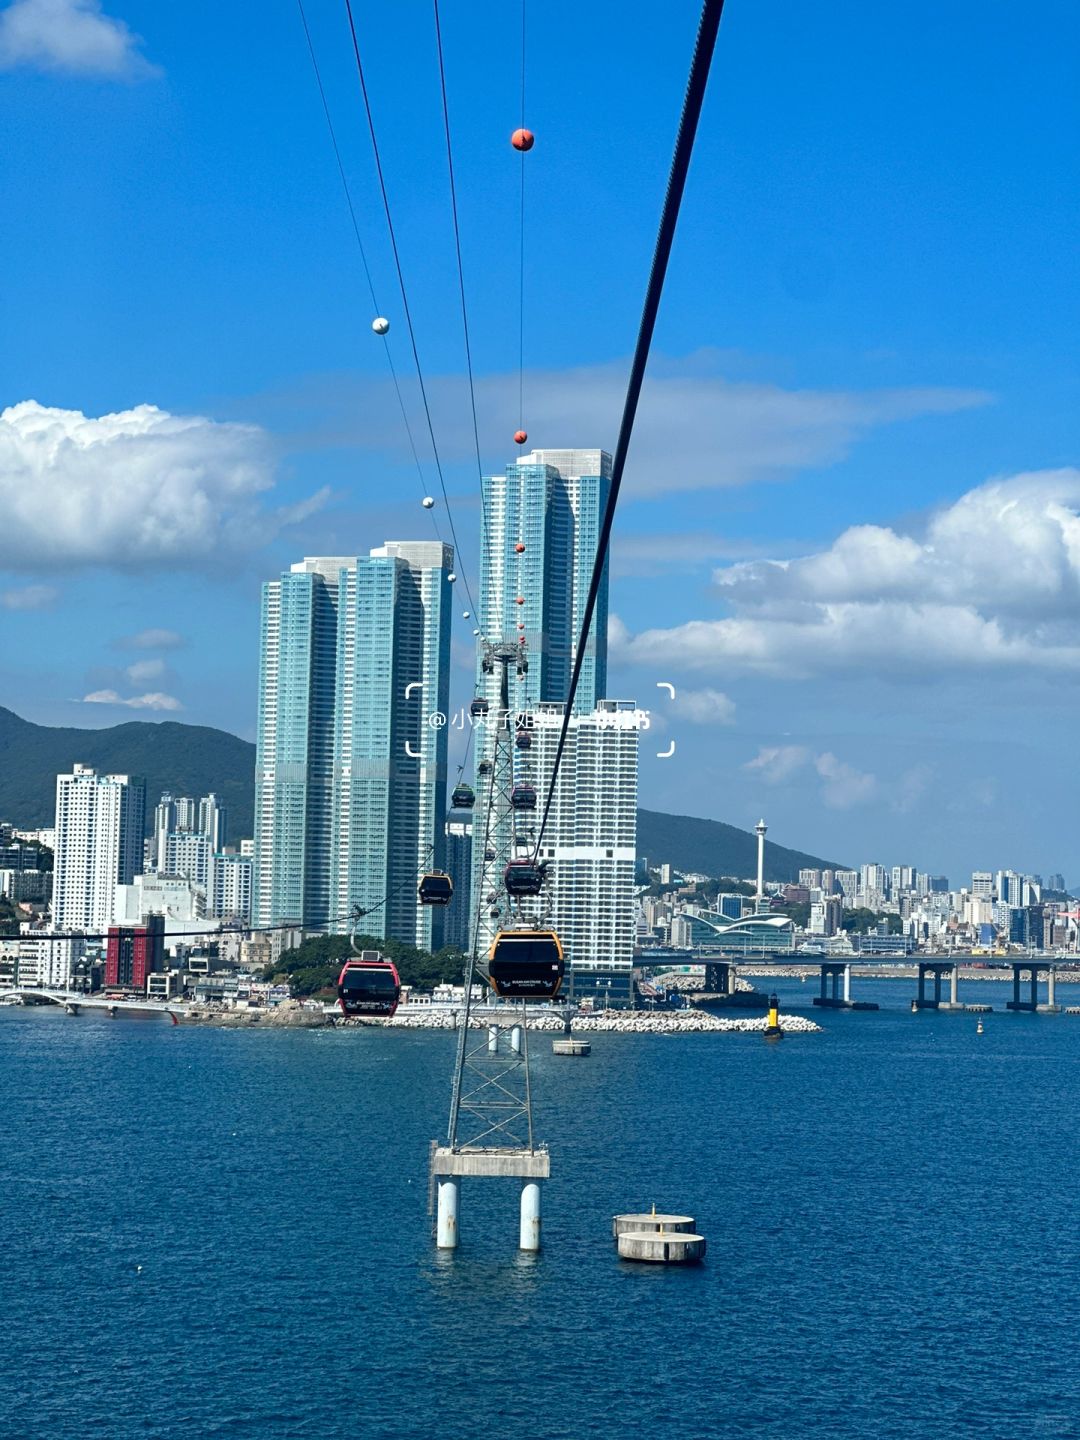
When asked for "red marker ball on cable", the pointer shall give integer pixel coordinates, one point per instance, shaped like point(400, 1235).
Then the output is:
point(520, 437)
point(523, 139)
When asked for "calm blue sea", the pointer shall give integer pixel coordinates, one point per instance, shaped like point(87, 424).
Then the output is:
point(891, 1209)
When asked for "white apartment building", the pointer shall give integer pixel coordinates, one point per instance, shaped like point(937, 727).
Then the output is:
point(48, 962)
point(174, 896)
point(590, 843)
point(231, 878)
point(188, 854)
point(99, 825)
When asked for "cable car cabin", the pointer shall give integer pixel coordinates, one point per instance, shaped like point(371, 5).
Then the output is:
point(463, 797)
point(484, 768)
point(436, 888)
point(524, 740)
point(368, 986)
point(523, 797)
point(522, 877)
point(478, 707)
point(526, 964)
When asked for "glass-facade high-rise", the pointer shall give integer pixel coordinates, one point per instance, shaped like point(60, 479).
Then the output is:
point(551, 502)
point(350, 775)
point(294, 765)
point(390, 771)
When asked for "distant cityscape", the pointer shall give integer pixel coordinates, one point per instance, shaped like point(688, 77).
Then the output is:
point(874, 909)
point(353, 803)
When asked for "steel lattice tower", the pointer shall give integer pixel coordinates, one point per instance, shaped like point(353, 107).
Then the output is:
point(490, 1132)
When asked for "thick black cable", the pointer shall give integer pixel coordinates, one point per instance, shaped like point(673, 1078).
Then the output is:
point(457, 245)
point(458, 555)
point(521, 248)
point(680, 165)
point(360, 246)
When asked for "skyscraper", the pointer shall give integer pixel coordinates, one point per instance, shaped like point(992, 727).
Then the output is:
point(213, 822)
point(164, 826)
point(294, 763)
point(350, 774)
point(459, 843)
point(590, 844)
point(541, 531)
point(99, 831)
point(390, 768)
point(550, 502)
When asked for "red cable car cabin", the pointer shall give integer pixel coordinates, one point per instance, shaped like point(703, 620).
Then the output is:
point(368, 985)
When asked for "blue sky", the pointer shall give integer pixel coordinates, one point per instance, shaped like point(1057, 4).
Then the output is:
point(865, 370)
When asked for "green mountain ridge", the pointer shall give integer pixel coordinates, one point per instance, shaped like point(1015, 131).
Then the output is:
point(197, 759)
point(184, 759)
point(710, 847)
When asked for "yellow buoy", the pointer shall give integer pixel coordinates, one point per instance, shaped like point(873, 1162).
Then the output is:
point(772, 1029)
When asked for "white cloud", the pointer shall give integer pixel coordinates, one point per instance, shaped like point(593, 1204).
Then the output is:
point(154, 700)
point(70, 36)
point(704, 707)
point(777, 763)
point(136, 489)
point(912, 786)
point(695, 429)
point(29, 597)
point(993, 583)
point(843, 785)
point(151, 640)
point(144, 670)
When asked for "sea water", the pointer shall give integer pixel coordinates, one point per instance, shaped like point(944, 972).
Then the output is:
point(226, 1233)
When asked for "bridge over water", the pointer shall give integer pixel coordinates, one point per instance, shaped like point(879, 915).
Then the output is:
point(930, 973)
point(74, 1001)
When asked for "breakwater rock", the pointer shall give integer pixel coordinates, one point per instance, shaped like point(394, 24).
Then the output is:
point(686, 1022)
point(428, 1017)
point(289, 1015)
point(614, 1022)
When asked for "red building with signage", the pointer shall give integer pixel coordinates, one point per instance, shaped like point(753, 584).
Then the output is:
point(135, 951)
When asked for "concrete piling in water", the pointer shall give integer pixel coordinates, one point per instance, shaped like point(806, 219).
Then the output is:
point(515, 1039)
point(662, 1246)
point(571, 1046)
point(446, 1229)
point(530, 1216)
point(650, 1220)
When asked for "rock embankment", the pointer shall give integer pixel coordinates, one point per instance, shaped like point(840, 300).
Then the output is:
point(617, 1022)
point(290, 1014)
point(686, 1022)
point(430, 1017)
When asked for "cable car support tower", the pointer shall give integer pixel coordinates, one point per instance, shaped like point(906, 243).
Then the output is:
point(490, 1133)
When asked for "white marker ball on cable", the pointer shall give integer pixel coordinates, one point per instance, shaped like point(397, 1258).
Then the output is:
point(429, 503)
point(451, 577)
point(380, 325)
point(465, 614)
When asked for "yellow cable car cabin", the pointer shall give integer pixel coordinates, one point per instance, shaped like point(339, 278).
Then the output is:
point(436, 888)
point(526, 964)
